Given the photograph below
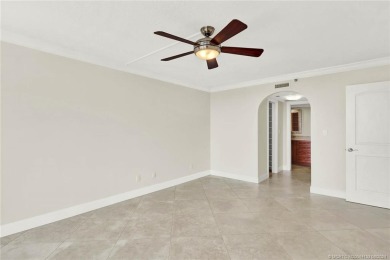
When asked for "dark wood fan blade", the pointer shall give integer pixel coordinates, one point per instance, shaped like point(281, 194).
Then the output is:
point(233, 28)
point(242, 51)
point(178, 56)
point(212, 64)
point(173, 37)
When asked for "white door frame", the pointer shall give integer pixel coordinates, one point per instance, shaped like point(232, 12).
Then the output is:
point(275, 127)
point(359, 152)
point(287, 167)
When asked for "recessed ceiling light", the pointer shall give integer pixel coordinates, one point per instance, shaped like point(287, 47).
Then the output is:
point(293, 97)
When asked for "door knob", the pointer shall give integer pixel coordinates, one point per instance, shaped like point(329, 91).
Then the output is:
point(351, 150)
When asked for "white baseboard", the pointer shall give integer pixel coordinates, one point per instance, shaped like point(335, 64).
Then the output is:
point(25, 224)
point(235, 176)
point(263, 177)
point(327, 192)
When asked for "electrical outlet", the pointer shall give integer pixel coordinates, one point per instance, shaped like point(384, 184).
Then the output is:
point(138, 178)
point(191, 166)
point(154, 175)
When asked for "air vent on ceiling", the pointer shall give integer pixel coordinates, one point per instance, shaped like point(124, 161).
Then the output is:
point(283, 85)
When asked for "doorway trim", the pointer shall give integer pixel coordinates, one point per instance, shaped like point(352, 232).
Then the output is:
point(287, 167)
point(275, 128)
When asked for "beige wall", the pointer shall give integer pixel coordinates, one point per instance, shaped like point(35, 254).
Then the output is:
point(74, 132)
point(234, 125)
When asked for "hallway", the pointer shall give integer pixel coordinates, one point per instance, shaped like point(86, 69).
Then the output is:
point(215, 218)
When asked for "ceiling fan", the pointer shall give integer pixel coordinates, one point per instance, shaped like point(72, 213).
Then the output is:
point(209, 48)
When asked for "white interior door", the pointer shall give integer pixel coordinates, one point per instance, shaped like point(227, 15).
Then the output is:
point(368, 144)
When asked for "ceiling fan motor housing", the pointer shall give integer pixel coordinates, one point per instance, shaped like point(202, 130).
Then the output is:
point(205, 43)
point(207, 30)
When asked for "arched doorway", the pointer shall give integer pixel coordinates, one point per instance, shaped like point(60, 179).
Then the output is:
point(284, 135)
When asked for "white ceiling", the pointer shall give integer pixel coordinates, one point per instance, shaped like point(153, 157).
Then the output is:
point(296, 36)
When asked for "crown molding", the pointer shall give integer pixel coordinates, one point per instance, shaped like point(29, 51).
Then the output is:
point(307, 74)
point(9, 37)
point(35, 44)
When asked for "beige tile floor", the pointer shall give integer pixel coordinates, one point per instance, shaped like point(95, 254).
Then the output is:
point(214, 218)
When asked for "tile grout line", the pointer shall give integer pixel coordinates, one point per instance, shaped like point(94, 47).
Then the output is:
point(260, 233)
point(120, 235)
point(241, 200)
point(62, 242)
point(331, 242)
point(281, 201)
point(216, 223)
point(21, 233)
point(173, 223)
point(359, 229)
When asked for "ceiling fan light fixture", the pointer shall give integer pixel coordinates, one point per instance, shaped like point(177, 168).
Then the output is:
point(209, 48)
point(207, 52)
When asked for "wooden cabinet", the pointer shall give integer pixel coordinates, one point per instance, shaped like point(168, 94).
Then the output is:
point(301, 152)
